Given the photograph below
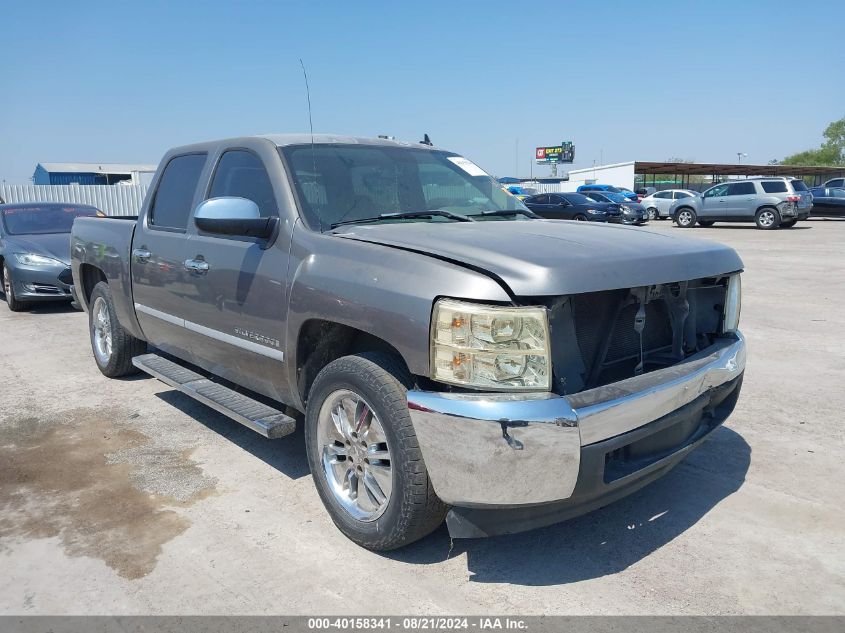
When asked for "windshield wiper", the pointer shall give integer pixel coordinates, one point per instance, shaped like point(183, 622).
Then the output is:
point(525, 212)
point(409, 214)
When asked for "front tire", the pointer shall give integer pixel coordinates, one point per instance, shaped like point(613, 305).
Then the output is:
point(364, 455)
point(652, 213)
point(9, 292)
point(685, 218)
point(112, 345)
point(580, 218)
point(767, 219)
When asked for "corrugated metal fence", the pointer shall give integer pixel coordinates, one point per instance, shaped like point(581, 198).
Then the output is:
point(111, 199)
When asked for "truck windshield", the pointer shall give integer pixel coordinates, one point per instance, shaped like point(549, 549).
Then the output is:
point(40, 220)
point(339, 184)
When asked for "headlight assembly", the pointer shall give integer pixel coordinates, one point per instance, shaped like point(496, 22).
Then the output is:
point(498, 348)
point(733, 304)
point(31, 259)
point(594, 211)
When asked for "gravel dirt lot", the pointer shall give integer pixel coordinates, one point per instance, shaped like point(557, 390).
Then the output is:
point(125, 497)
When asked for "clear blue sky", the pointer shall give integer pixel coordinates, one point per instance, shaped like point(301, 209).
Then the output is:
point(123, 81)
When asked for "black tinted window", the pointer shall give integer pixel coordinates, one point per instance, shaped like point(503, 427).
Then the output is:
point(682, 194)
point(741, 188)
point(774, 186)
point(42, 219)
point(577, 198)
point(836, 182)
point(241, 174)
point(663, 195)
point(798, 185)
point(175, 193)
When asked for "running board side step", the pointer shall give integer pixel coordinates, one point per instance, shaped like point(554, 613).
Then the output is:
point(259, 417)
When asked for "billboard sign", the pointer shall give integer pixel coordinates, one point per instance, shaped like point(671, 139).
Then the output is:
point(563, 153)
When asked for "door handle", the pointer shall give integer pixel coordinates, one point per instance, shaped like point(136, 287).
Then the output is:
point(142, 255)
point(196, 265)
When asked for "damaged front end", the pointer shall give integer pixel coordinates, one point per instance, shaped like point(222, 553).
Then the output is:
point(602, 337)
point(641, 376)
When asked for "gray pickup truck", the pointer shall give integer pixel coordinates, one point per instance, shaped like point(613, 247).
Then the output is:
point(453, 355)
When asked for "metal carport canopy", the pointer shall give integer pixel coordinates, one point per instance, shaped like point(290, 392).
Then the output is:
point(723, 169)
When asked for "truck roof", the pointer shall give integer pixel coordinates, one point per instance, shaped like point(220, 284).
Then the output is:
point(281, 140)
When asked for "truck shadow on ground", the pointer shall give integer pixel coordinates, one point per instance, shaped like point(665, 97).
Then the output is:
point(287, 455)
point(604, 542)
point(608, 540)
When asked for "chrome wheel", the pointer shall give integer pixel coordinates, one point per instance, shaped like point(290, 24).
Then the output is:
point(652, 213)
point(355, 455)
point(101, 324)
point(685, 218)
point(767, 218)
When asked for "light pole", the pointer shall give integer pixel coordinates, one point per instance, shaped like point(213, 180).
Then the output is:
point(739, 156)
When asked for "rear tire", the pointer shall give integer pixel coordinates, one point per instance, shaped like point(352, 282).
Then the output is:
point(112, 345)
point(685, 218)
point(767, 219)
point(788, 224)
point(381, 503)
point(9, 292)
point(706, 223)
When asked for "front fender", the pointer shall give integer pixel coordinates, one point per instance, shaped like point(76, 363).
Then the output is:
point(384, 291)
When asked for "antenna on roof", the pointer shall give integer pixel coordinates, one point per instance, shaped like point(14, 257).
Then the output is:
point(311, 126)
point(426, 141)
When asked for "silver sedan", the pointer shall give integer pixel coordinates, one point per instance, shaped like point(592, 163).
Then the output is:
point(659, 203)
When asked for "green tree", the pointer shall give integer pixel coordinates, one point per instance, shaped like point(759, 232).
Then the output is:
point(831, 152)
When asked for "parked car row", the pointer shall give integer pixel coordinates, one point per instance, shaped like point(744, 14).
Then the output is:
point(595, 207)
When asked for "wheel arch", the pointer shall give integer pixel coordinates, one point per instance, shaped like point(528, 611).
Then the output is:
point(89, 277)
point(321, 341)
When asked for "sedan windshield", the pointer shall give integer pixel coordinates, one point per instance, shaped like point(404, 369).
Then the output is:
point(342, 184)
point(43, 219)
point(578, 198)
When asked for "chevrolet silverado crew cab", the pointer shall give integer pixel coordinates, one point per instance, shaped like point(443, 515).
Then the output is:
point(453, 354)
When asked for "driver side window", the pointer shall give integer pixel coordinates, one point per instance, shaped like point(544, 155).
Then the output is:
point(719, 190)
point(241, 174)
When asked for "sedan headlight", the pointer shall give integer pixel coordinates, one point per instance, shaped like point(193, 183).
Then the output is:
point(504, 349)
point(31, 259)
point(625, 208)
point(594, 211)
point(733, 304)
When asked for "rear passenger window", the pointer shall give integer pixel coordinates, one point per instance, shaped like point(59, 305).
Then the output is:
point(741, 189)
point(682, 194)
point(774, 186)
point(172, 203)
point(241, 174)
point(663, 194)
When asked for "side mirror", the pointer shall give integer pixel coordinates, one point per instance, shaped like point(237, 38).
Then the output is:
point(233, 216)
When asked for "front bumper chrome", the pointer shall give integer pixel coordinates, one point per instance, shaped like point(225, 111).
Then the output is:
point(510, 449)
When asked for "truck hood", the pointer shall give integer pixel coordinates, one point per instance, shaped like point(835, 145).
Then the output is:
point(554, 257)
point(55, 245)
